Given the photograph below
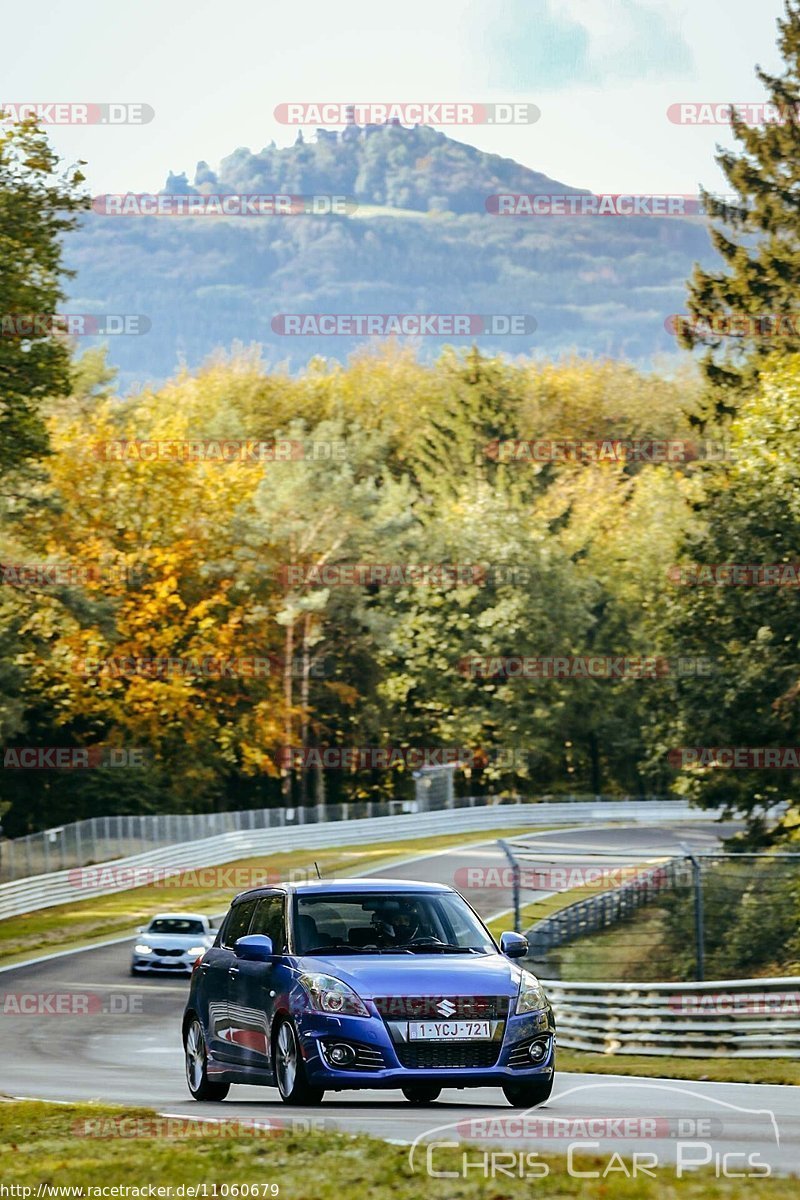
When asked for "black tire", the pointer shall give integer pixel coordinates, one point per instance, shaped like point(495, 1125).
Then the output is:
point(290, 1071)
point(201, 1087)
point(420, 1094)
point(528, 1095)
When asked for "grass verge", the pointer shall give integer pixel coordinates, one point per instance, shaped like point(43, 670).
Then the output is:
point(85, 921)
point(537, 910)
point(663, 1066)
point(43, 1144)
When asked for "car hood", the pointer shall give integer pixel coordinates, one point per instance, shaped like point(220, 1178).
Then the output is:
point(174, 941)
point(420, 974)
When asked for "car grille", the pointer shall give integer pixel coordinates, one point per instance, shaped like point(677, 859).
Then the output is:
point(519, 1054)
point(167, 953)
point(456, 1055)
point(422, 1008)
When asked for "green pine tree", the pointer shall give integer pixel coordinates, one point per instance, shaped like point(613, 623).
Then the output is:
point(758, 239)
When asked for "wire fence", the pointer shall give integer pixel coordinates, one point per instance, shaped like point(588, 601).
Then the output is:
point(101, 839)
point(695, 916)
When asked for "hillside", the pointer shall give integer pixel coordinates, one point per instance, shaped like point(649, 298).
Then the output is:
point(420, 241)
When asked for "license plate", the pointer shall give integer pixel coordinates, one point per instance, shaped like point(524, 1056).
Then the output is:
point(448, 1031)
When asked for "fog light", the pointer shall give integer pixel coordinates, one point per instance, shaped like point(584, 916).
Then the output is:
point(341, 1055)
point(537, 1051)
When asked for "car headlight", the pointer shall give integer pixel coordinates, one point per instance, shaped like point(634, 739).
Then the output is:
point(142, 949)
point(331, 995)
point(197, 950)
point(531, 994)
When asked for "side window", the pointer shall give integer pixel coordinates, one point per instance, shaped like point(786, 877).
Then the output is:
point(237, 923)
point(270, 921)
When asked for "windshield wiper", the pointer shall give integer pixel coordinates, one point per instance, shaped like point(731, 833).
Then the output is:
point(438, 947)
point(346, 948)
point(337, 946)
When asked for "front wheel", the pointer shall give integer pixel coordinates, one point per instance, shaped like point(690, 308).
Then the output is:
point(290, 1072)
point(528, 1095)
point(421, 1093)
point(201, 1087)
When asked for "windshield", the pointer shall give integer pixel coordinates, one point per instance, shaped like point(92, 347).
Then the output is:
point(378, 923)
point(175, 925)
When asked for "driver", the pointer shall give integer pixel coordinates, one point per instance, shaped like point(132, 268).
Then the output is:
point(397, 924)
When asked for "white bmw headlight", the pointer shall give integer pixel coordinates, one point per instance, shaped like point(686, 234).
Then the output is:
point(197, 950)
point(531, 994)
point(331, 995)
point(142, 949)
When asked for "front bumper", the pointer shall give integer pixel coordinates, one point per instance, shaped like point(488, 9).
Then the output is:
point(379, 1065)
point(151, 964)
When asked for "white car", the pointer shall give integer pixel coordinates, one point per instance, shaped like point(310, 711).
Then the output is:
point(171, 943)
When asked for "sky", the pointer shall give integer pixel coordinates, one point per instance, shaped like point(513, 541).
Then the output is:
point(602, 72)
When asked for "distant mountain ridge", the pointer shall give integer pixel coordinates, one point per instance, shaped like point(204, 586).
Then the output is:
point(594, 285)
point(389, 166)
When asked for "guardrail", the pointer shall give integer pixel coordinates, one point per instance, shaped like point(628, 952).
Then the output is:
point(98, 839)
point(739, 1018)
point(62, 887)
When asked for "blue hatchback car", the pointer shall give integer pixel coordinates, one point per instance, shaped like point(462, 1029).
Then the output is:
point(340, 984)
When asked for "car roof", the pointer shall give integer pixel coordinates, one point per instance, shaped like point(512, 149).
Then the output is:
point(363, 887)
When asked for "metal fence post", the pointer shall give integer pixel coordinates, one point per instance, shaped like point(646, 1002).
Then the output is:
point(514, 882)
point(699, 931)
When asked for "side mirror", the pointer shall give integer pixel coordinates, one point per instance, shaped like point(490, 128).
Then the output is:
point(256, 947)
point(513, 945)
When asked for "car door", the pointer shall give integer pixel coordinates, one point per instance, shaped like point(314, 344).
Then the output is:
point(215, 978)
point(253, 988)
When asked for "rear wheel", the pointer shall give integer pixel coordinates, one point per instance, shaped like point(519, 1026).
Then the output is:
point(421, 1093)
point(290, 1071)
point(528, 1095)
point(201, 1087)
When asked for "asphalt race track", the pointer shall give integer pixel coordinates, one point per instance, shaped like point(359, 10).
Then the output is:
point(127, 1050)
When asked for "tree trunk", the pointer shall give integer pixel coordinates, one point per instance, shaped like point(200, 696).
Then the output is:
point(304, 694)
point(594, 758)
point(288, 700)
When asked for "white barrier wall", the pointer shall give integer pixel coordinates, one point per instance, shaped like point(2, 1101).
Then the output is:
point(83, 883)
point(731, 1018)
